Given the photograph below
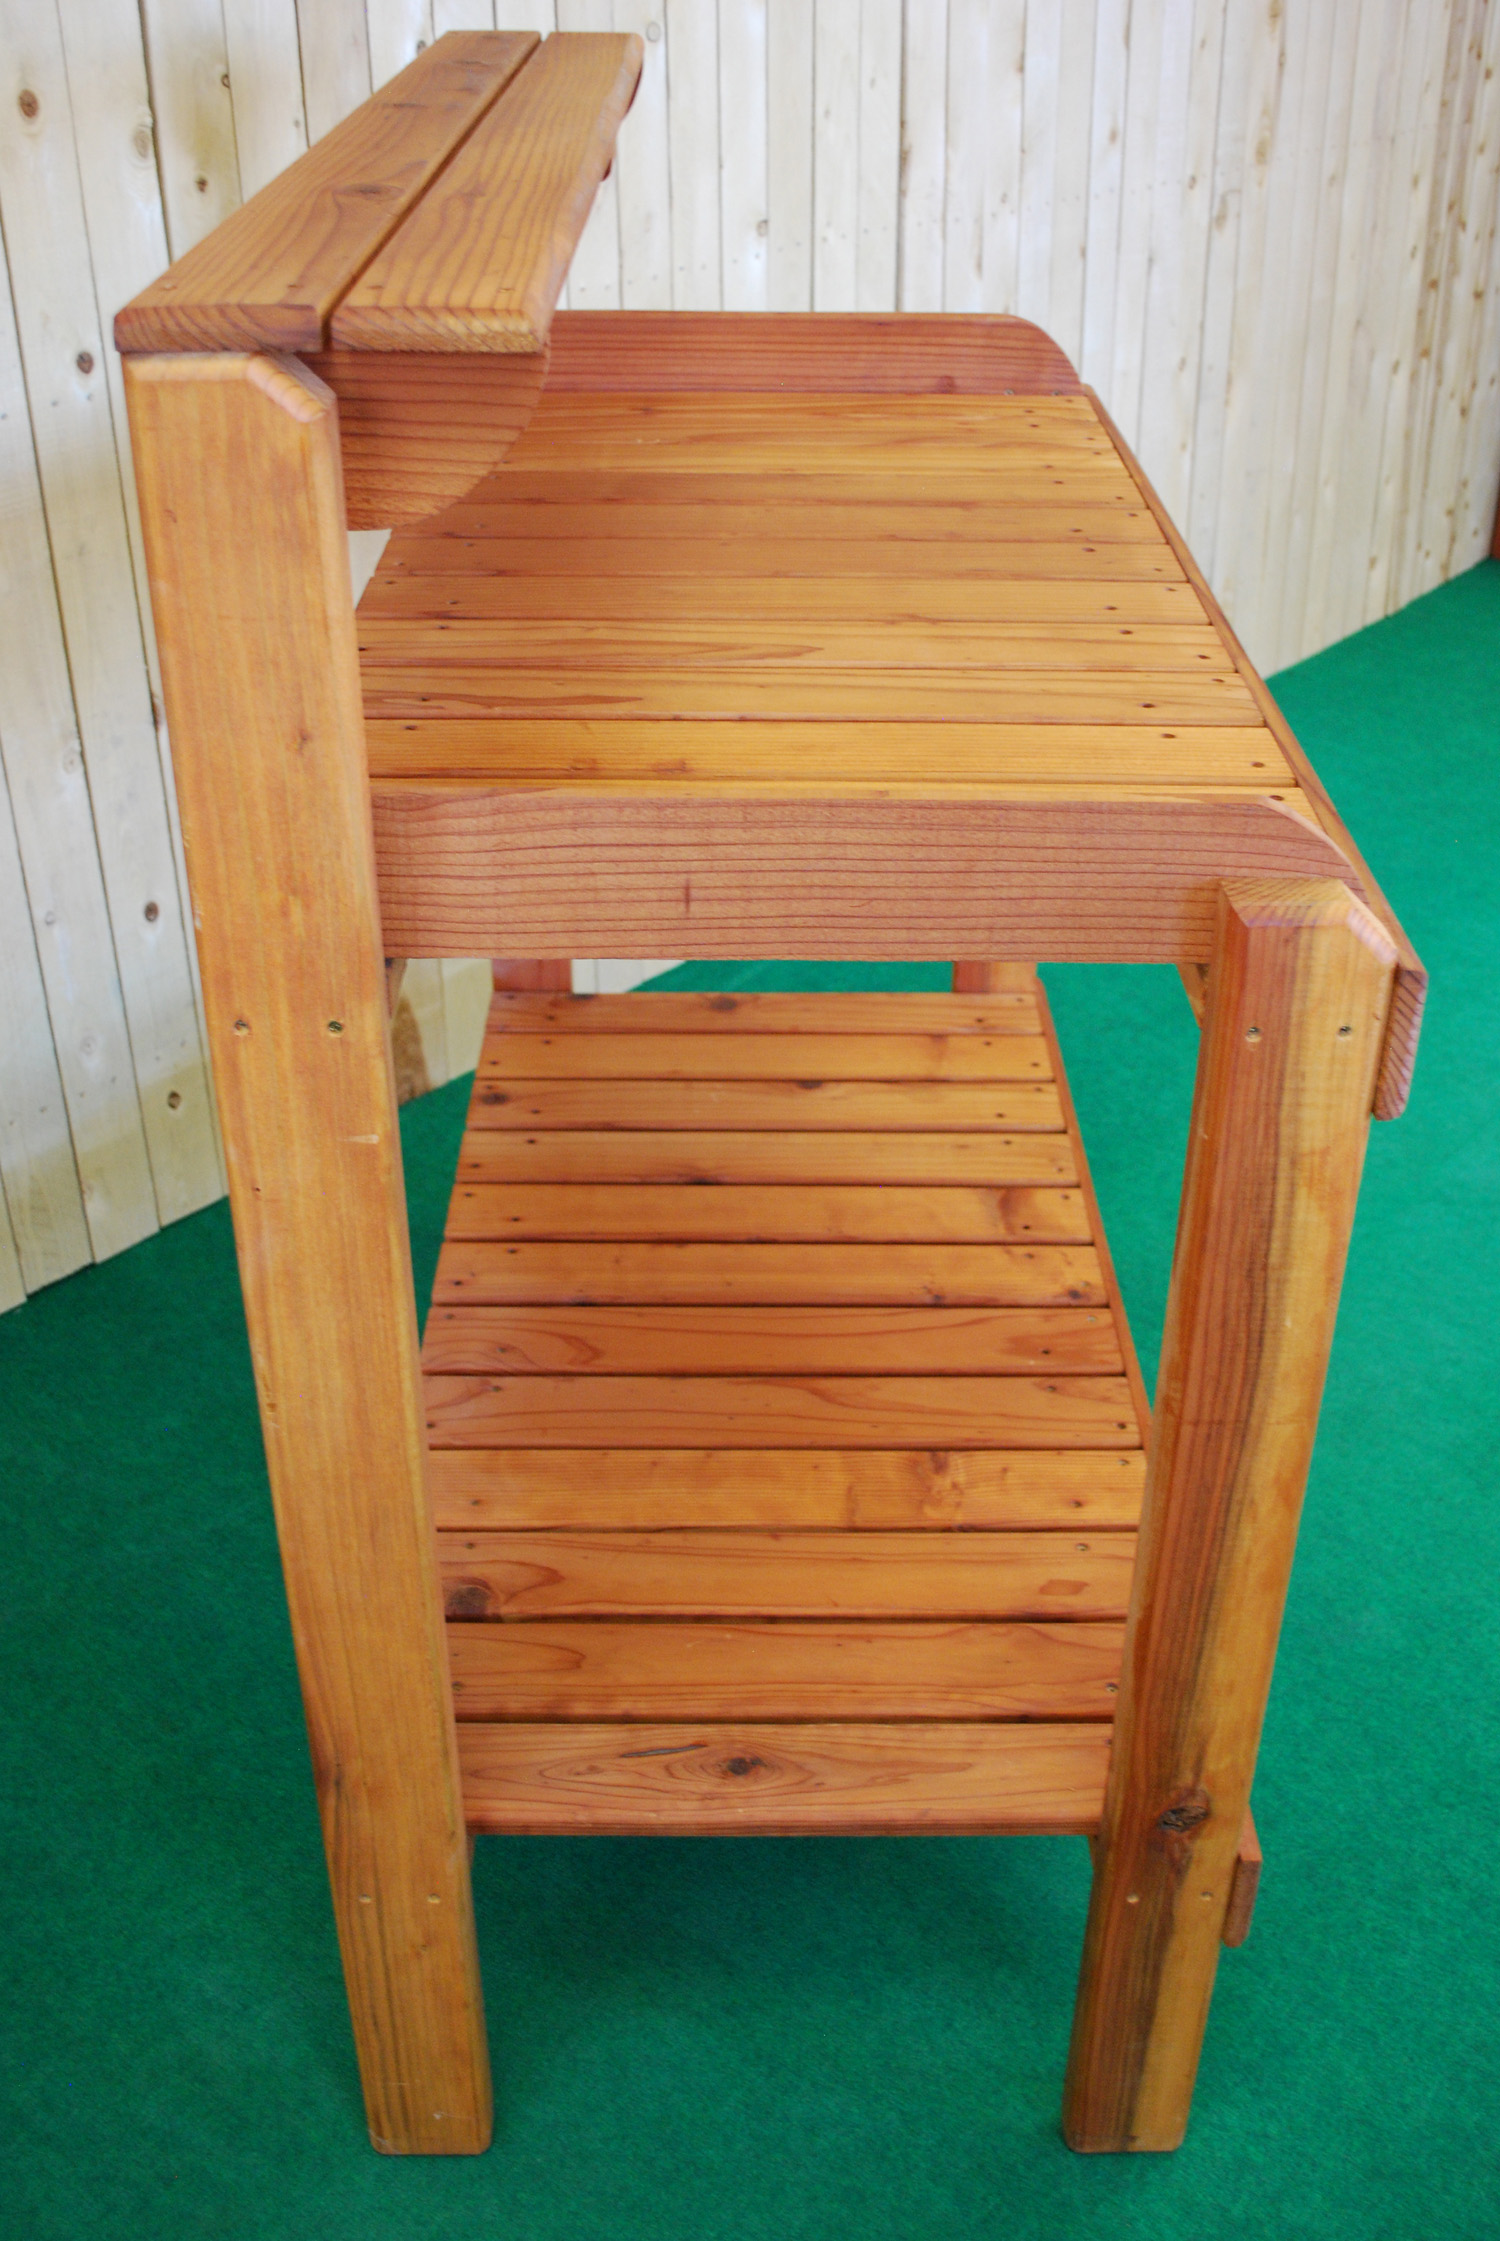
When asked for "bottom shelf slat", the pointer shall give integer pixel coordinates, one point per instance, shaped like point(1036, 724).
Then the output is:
point(826, 1779)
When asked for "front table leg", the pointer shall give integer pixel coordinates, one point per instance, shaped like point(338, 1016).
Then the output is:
point(243, 509)
point(1297, 999)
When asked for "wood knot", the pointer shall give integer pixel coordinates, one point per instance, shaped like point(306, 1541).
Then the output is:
point(467, 1599)
point(1186, 1812)
point(742, 1765)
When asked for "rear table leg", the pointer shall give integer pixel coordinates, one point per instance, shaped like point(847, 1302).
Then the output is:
point(1297, 1001)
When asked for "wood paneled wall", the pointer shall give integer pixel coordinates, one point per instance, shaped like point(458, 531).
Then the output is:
point(1266, 229)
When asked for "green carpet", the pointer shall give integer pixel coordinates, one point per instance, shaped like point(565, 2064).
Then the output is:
point(795, 2039)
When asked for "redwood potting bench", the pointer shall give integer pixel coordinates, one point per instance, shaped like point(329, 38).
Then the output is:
point(777, 1461)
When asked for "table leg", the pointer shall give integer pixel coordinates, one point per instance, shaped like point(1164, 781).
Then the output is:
point(1297, 1000)
point(242, 505)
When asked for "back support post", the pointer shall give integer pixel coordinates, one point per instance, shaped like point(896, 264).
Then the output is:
point(1298, 994)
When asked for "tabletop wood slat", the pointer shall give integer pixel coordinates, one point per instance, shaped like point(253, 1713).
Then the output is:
point(895, 1213)
point(756, 1275)
point(269, 277)
point(631, 1155)
point(481, 261)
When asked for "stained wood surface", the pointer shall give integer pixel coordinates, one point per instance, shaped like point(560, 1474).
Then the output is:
point(651, 1155)
point(1297, 1006)
point(420, 428)
point(830, 1213)
point(784, 1341)
point(479, 264)
point(756, 1275)
point(856, 1489)
point(808, 1102)
point(1009, 1011)
point(644, 351)
point(270, 275)
point(739, 1779)
point(240, 489)
point(1244, 1886)
point(657, 1055)
point(786, 1669)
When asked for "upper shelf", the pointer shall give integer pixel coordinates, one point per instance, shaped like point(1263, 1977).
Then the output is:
point(440, 216)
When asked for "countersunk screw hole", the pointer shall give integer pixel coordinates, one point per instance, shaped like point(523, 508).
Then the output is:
point(242, 1027)
point(1345, 1033)
point(335, 1027)
point(1252, 1035)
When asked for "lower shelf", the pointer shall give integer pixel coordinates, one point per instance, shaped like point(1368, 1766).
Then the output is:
point(787, 1441)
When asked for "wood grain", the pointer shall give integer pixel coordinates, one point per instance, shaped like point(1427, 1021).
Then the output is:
point(628, 1155)
point(1298, 998)
point(1244, 1886)
point(540, 1410)
point(709, 1574)
point(769, 1275)
point(575, 873)
point(807, 1104)
point(855, 1489)
point(780, 1341)
point(835, 1778)
point(814, 1213)
point(480, 262)
point(805, 600)
point(654, 1055)
point(785, 1669)
point(271, 274)
point(239, 480)
point(419, 429)
point(683, 1011)
point(857, 354)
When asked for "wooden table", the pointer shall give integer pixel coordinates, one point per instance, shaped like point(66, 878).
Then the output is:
point(783, 1460)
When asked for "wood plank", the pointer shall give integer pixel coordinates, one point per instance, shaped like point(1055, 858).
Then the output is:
point(785, 1669)
point(1244, 1886)
point(1033, 426)
point(770, 1275)
point(553, 480)
point(495, 514)
point(754, 1011)
point(1287, 1066)
point(426, 689)
point(419, 428)
point(853, 1489)
point(762, 1341)
point(761, 1156)
point(890, 1411)
point(742, 1780)
point(585, 873)
point(238, 466)
point(1109, 561)
point(693, 640)
point(709, 1574)
point(479, 264)
point(813, 1212)
point(271, 274)
point(750, 1105)
point(721, 752)
point(865, 599)
point(651, 1056)
point(791, 353)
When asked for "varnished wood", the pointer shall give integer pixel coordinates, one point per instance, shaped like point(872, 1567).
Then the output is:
point(238, 467)
point(856, 354)
point(546, 977)
point(711, 1574)
point(806, 1104)
point(804, 600)
point(651, 1054)
point(816, 873)
point(1244, 1886)
point(854, 1489)
point(781, 1341)
point(786, 1669)
point(651, 1155)
point(269, 276)
point(480, 262)
point(770, 1275)
point(835, 1778)
point(420, 428)
point(768, 1212)
point(724, 1011)
point(1298, 1000)
point(799, 1411)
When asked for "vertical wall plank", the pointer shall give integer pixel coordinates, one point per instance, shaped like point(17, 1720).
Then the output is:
point(189, 67)
point(879, 173)
point(1106, 158)
point(62, 351)
point(397, 31)
point(744, 215)
point(335, 46)
point(43, 1231)
point(789, 154)
point(1005, 99)
point(924, 124)
point(835, 154)
point(642, 172)
point(693, 145)
point(594, 275)
point(49, 798)
point(265, 88)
